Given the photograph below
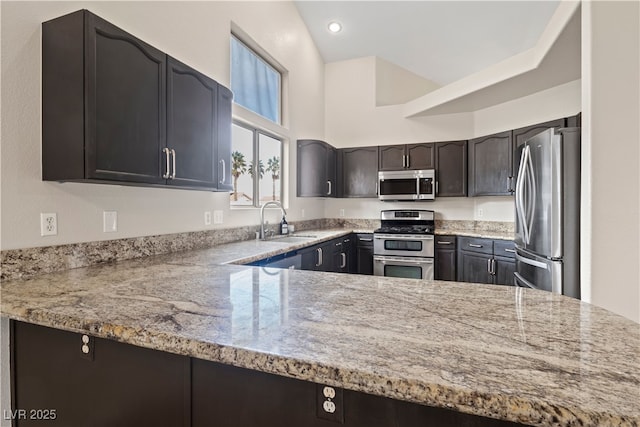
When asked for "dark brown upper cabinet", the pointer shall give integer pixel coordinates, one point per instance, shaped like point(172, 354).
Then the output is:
point(408, 156)
point(316, 169)
point(358, 170)
point(117, 110)
point(491, 165)
point(451, 169)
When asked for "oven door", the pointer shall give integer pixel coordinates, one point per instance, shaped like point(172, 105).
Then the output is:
point(406, 267)
point(413, 245)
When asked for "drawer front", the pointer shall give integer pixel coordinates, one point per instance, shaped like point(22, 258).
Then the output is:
point(504, 248)
point(445, 242)
point(476, 244)
point(365, 239)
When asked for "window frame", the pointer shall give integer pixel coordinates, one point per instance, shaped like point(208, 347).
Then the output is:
point(255, 146)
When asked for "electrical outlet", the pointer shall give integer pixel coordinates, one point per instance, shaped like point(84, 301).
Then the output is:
point(217, 217)
point(109, 221)
point(302, 213)
point(207, 218)
point(341, 212)
point(480, 213)
point(330, 403)
point(48, 224)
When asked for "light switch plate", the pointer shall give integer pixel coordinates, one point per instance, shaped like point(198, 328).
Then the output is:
point(110, 221)
point(217, 217)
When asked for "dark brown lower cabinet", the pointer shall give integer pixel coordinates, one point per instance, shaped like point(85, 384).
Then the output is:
point(486, 261)
point(56, 384)
point(226, 396)
point(445, 258)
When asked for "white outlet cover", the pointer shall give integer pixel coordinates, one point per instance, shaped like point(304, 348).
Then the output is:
point(110, 221)
point(207, 218)
point(48, 224)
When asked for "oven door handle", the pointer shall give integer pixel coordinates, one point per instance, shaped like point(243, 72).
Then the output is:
point(403, 260)
point(403, 237)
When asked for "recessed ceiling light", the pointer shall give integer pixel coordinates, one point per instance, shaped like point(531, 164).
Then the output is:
point(335, 27)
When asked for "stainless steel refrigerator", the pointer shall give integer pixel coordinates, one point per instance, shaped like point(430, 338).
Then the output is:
point(547, 200)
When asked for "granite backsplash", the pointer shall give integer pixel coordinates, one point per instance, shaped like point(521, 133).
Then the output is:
point(29, 262)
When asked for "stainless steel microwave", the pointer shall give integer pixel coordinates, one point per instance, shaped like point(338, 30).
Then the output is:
point(407, 185)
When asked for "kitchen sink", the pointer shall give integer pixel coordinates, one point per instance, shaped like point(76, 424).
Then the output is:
point(293, 238)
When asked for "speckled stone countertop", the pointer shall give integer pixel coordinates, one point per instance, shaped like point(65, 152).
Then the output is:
point(509, 353)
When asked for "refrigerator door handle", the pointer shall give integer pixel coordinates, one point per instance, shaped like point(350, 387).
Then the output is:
point(531, 262)
point(520, 194)
point(533, 193)
point(519, 279)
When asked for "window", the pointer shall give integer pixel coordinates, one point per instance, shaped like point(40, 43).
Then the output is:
point(256, 84)
point(256, 166)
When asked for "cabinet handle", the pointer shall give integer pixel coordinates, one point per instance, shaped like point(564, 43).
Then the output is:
point(224, 171)
point(509, 182)
point(344, 260)
point(329, 192)
point(473, 245)
point(444, 243)
point(167, 165)
point(173, 173)
point(408, 161)
point(491, 266)
point(366, 239)
point(319, 257)
point(513, 251)
point(437, 188)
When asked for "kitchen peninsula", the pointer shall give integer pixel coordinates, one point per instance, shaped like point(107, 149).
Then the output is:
point(493, 352)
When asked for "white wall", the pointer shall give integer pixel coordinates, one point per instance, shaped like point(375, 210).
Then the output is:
point(353, 119)
point(196, 33)
point(611, 155)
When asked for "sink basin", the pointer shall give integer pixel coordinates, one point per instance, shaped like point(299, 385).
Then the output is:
point(293, 238)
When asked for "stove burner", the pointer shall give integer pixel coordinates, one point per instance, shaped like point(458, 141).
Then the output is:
point(406, 222)
point(406, 229)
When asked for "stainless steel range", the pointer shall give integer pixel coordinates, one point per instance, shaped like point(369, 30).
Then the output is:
point(404, 244)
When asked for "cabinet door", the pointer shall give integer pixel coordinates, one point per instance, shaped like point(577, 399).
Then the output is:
point(331, 160)
point(421, 156)
point(359, 171)
point(474, 267)
point(490, 165)
point(191, 126)
point(505, 267)
point(445, 258)
point(391, 157)
point(339, 256)
point(114, 384)
point(126, 95)
point(364, 254)
point(312, 168)
point(451, 169)
point(520, 136)
point(223, 143)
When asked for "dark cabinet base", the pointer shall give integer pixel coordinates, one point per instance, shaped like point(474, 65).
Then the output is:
point(114, 384)
point(117, 384)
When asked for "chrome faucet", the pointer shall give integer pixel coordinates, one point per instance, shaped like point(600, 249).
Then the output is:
point(274, 203)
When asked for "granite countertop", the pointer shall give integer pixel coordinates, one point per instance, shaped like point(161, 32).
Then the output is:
point(509, 353)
